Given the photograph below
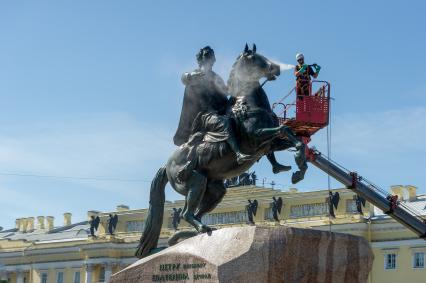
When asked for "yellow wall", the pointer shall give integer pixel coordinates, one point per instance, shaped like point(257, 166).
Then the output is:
point(404, 271)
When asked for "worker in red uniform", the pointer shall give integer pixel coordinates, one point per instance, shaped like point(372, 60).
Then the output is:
point(303, 73)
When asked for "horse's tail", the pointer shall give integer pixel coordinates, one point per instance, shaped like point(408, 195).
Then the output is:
point(154, 220)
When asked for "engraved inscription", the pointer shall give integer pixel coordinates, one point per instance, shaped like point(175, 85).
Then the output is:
point(180, 272)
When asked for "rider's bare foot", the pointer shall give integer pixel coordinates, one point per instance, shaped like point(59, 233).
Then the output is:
point(241, 157)
point(280, 168)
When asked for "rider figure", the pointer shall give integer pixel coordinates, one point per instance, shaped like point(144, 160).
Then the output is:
point(204, 107)
point(303, 73)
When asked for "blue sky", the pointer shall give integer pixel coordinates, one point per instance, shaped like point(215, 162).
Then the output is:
point(92, 89)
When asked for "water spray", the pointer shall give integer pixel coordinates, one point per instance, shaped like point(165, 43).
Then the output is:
point(283, 67)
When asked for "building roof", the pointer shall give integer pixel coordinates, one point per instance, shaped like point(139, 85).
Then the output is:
point(77, 231)
point(418, 206)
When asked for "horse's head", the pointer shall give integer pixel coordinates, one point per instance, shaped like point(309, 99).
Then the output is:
point(250, 67)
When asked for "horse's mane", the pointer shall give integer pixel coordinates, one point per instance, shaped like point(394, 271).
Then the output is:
point(232, 80)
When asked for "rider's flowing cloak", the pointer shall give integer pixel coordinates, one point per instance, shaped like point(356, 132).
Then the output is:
point(204, 99)
point(187, 116)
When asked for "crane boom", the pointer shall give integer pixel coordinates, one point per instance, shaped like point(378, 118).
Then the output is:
point(388, 203)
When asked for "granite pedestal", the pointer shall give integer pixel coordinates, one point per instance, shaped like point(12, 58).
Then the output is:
point(257, 254)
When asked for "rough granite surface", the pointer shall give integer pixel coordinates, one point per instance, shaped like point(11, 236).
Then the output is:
point(257, 254)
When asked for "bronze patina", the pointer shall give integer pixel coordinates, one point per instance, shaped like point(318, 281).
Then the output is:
point(219, 138)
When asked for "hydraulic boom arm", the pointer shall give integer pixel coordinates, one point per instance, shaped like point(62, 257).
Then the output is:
point(388, 203)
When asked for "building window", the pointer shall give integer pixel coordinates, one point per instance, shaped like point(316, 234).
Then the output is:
point(390, 261)
point(77, 277)
point(419, 260)
point(269, 214)
point(225, 218)
point(351, 206)
point(60, 277)
point(102, 274)
point(306, 210)
point(135, 226)
point(43, 277)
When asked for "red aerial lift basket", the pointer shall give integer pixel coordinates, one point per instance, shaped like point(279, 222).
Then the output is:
point(308, 113)
point(312, 109)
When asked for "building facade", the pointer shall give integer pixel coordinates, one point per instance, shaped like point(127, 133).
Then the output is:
point(38, 251)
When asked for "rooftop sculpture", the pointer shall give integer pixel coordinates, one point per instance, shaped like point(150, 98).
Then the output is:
point(112, 223)
point(94, 224)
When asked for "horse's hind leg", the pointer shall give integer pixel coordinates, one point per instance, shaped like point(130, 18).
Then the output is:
point(213, 195)
point(196, 185)
point(300, 158)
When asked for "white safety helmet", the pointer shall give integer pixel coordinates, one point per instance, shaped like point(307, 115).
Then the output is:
point(299, 56)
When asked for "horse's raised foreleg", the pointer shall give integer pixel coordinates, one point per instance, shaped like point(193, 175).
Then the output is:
point(213, 195)
point(289, 134)
point(278, 145)
point(299, 157)
point(196, 185)
point(276, 167)
point(268, 134)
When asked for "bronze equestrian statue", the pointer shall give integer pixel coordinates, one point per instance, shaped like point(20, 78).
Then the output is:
point(219, 139)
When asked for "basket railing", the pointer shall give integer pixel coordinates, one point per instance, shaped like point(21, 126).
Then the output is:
point(288, 110)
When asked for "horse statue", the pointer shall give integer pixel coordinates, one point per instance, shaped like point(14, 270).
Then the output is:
point(258, 133)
